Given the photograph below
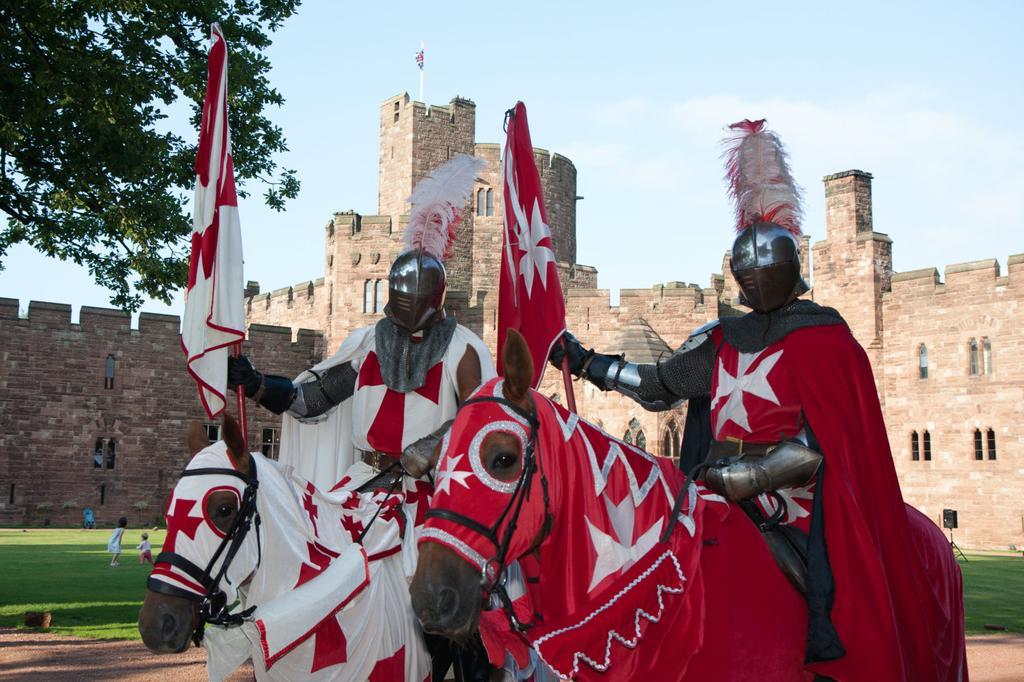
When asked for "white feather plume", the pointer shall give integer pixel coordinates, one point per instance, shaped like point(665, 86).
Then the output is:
point(437, 204)
point(762, 186)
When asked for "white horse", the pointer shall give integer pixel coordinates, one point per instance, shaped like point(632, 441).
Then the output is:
point(323, 608)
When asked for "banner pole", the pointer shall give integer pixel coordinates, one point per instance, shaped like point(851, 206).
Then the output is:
point(240, 395)
point(570, 395)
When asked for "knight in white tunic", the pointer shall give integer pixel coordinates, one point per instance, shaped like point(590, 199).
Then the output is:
point(390, 391)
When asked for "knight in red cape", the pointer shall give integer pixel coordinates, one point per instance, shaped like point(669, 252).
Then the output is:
point(792, 429)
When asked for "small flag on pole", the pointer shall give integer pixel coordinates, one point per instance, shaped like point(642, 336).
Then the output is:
point(214, 317)
point(530, 294)
point(419, 59)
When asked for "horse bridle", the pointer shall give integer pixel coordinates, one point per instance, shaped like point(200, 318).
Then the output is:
point(492, 578)
point(212, 604)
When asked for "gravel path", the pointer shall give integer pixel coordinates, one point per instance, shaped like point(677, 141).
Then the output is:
point(26, 655)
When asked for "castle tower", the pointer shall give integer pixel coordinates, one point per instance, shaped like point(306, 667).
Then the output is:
point(414, 140)
point(853, 265)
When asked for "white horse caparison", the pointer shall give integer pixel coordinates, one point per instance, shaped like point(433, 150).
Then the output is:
point(300, 532)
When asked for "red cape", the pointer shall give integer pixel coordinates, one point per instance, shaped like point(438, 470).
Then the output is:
point(888, 560)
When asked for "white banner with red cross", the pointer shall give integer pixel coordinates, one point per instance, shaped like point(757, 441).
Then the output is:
point(214, 316)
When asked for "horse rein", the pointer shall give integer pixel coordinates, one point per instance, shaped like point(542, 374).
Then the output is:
point(492, 579)
point(213, 606)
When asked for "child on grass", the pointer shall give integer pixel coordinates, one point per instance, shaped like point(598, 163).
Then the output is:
point(146, 553)
point(114, 543)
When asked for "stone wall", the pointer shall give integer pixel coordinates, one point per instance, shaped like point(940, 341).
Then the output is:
point(950, 403)
point(55, 404)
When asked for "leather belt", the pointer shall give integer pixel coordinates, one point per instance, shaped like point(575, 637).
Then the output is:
point(737, 449)
point(378, 460)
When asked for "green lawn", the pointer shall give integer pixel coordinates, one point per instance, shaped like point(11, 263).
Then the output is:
point(68, 573)
point(993, 592)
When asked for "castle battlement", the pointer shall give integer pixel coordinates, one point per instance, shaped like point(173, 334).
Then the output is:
point(969, 278)
point(44, 317)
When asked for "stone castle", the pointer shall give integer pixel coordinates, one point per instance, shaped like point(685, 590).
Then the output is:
point(104, 426)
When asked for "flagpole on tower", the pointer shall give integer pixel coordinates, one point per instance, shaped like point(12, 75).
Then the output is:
point(419, 61)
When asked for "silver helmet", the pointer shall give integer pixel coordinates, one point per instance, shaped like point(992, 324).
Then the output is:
point(417, 284)
point(766, 265)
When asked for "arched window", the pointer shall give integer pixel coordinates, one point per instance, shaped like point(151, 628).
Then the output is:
point(97, 457)
point(915, 447)
point(368, 296)
point(922, 361)
point(641, 440)
point(480, 202)
point(378, 296)
point(666, 444)
point(978, 451)
point(490, 202)
point(991, 444)
point(927, 446)
point(670, 441)
point(972, 350)
point(628, 437)
point(986, 353)
point(111, 453)
point(108, 374)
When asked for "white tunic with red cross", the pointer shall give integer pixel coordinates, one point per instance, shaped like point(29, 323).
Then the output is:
point(375, 418)
point(387, 420)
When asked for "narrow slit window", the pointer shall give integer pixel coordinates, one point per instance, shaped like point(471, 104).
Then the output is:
point(10, 497)
point(378, 296)
point(111, 453)
point(103, 493)
point(367, 296)
point(986, 352)
point(979, 453)
point(927, 446)
point(108, 374)
point(480, 202)
point(97, 457)
point(490, 202)
point(991, 444)
point(915, 447)
point(922, 361)
point(972, 350)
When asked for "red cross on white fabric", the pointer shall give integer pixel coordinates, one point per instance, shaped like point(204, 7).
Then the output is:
point(319, 558)
point(330, 646)
point(419, 495)
point(179, 521)
point(388, 426)
point(390, 669)
point(311, 509)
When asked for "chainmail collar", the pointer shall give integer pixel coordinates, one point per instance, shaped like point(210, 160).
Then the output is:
point(404, 363)
point(755, 331)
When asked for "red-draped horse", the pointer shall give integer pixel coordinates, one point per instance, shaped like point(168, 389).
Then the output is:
point(608, 597)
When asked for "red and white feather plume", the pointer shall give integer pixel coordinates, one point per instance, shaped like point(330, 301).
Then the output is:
point(759, 178)
point(437, 204)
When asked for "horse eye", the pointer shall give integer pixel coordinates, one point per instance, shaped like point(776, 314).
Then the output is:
point(224, 510)
point(505, 460)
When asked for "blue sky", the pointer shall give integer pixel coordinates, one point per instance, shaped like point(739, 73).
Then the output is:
point(925, 96)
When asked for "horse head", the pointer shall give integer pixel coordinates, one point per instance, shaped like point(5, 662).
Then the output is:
point(203, 527)
point(488, 508)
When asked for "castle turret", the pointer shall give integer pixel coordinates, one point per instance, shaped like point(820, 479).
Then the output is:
point(853, 265)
